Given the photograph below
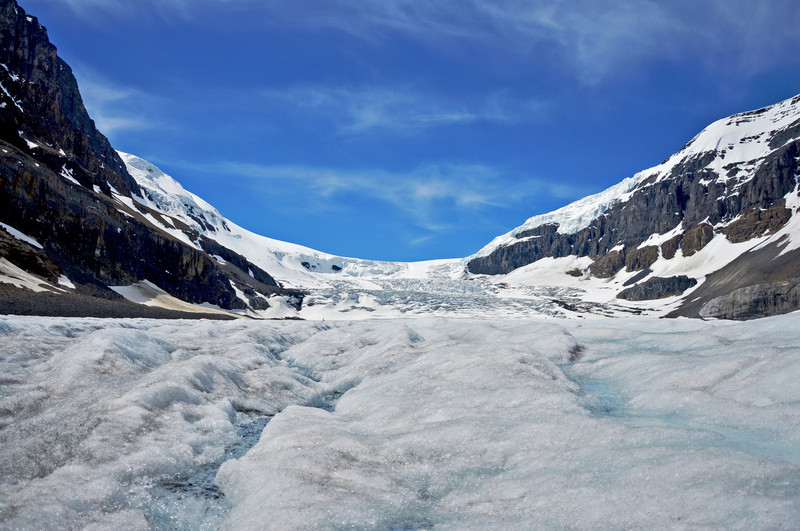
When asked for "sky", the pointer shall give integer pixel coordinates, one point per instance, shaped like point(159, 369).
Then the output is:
point(414, 129)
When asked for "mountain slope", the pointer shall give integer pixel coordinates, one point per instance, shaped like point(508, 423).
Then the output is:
point(66, 188)
point(713, 231)
point(722, 209)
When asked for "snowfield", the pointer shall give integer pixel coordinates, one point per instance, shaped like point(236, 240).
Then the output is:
point(429, 423)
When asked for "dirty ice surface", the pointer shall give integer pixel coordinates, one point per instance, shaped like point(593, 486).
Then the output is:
point(430, 423)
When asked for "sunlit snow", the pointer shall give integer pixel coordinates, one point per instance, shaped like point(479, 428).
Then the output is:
point(21, 236)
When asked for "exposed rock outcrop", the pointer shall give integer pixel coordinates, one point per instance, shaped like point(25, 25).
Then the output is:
point(607, 265)
point(83, 229)
point(63, 184)
point(757, 222)
point(735, 175)
point(754, 301)
point(657, 288)
point(28, 257)
point(44, 112)
point(695, 238)
point(688, 198)
point(670, 247)
point(639, 259)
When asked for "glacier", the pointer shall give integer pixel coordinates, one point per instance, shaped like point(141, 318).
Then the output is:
point(426, 423)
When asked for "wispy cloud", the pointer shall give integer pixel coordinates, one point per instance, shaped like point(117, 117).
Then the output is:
point(431, 196)
point(593, 39)
point(402, 108)
point(115, 108)
point(164, 9)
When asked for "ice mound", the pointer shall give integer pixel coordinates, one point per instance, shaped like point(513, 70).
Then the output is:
point(399, 424)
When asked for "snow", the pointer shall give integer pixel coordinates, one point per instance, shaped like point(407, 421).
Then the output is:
point(342, 288)
point(400, 424)
point(574, 216)
point(147, 293)
point(792, 228)
point(742, 139)
point(658, 239)
point(132, 211)
point(20, 236)
point(67, 173)
point(11, 274)
point(284, 261)
point(63, 280)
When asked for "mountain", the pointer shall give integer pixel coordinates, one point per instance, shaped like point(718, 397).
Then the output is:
point(716, 223)
point(86, 223)
point(711, 232)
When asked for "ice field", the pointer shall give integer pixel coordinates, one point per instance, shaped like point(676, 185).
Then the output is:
point(431, 423)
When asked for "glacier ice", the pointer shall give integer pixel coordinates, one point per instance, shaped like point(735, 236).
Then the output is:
point(399, 423)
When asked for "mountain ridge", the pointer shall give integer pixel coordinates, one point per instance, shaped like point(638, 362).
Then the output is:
point(736, 179)
point(67, 188)
point(712, 232)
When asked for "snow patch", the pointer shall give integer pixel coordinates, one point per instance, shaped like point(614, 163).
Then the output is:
point(147, 293)
point(66, 282)
point(20, 236)
point(11, 274)
point(68, 174)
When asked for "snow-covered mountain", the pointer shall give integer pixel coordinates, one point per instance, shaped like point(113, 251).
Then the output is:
point(711, 232)
point(66, 189)
point(714, 227)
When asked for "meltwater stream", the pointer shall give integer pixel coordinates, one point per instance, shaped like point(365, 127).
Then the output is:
point(194, 501)
point(603, 399)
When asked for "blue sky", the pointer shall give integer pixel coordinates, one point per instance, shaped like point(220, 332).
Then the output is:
point(412, 129)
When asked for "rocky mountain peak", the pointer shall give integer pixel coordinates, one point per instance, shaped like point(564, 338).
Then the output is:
point(733, 180)
point(41, 109)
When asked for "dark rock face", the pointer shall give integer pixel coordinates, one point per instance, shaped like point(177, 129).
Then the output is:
point(670, 247)
point(84, 230)
point(765, 265)
point(608, 265)
point(757, 222)
point(28, 257)
point(755, 301)
point(691, 196)
point(47, 108)
point(657, 288)
point(56, 175)
point(639, 259)
point(696, 238)
point(259, 303)
point(744, 199)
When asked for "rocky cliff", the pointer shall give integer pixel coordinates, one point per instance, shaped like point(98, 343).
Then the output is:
point(732, 181)
point(68, 189)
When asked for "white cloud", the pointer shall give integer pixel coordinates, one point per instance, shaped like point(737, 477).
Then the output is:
point(432, 196)
point(115, 108)
point(403, 108)
point(592, 39)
